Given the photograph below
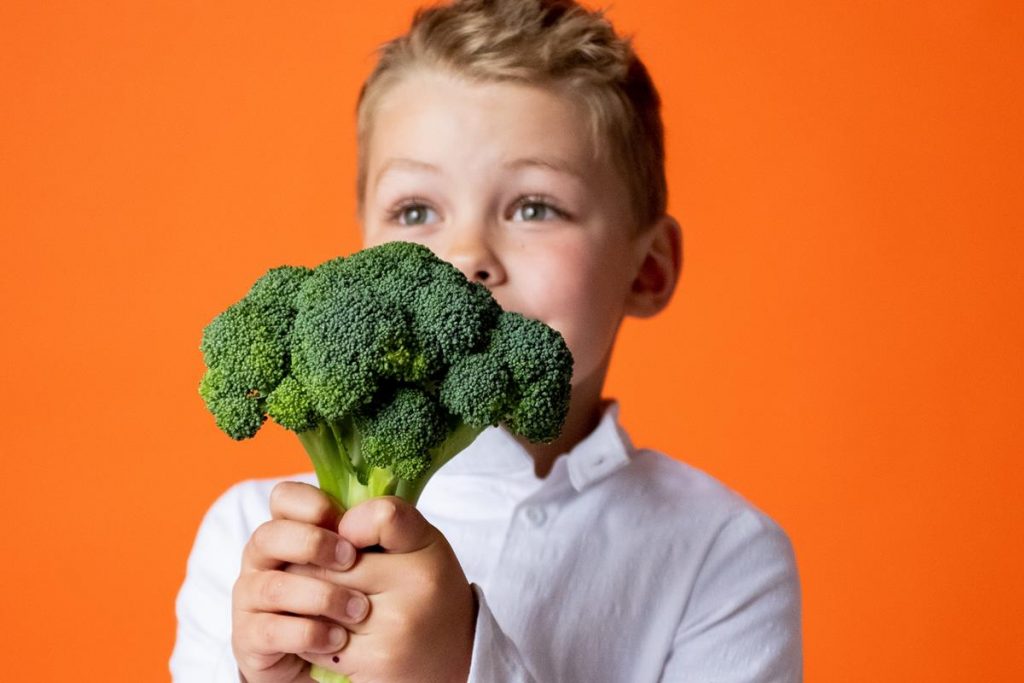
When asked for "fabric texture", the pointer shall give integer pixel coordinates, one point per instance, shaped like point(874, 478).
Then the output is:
point(620, 565)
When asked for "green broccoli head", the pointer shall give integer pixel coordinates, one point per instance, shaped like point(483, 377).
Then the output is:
point(385, 363)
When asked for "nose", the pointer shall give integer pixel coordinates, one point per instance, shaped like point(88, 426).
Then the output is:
point(472, 251)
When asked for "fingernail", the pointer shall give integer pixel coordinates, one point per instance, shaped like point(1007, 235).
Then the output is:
point(345, 553)
point(337, 635)
point(356, 608)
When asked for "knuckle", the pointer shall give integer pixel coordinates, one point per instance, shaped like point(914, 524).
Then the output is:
point(388, 511)
point(240, 591)
point(240, 642)
point(266, 636)
point(435, 588)
point(260, 539)
point(271, 589)
point(320, 504)
point(324, 601)
point(425, 582)
point(277, 494)
point(310, 633)
point(404, 627)
point(311, 542)
point(316, 637)
point(308, 570)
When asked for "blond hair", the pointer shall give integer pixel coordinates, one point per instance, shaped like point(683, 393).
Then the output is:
point(553, 43)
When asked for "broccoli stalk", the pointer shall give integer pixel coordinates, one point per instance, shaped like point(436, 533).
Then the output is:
point(386, 364)
point(341, 470)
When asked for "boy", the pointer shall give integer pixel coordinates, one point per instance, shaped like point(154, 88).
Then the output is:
point(521, 141)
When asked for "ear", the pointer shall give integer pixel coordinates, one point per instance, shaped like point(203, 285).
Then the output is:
point(659, 253)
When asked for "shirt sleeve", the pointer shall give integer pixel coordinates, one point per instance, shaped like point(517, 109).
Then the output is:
point(495, 657)
point(202, 650)
point(743, 622)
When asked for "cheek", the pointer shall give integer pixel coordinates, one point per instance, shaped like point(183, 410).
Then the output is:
point(577, 299)
point(375, 234)
point(547, 286)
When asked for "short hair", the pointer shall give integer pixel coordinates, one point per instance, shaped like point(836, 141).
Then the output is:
point(554, 43)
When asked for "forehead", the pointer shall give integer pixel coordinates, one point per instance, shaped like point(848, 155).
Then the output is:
point(439, 117)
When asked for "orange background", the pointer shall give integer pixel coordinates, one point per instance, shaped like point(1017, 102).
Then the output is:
point(845, 349)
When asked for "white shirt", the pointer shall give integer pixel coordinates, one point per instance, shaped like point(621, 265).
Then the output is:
point(621, 565)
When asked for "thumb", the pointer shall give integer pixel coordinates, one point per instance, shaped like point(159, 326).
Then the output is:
point(388, 522)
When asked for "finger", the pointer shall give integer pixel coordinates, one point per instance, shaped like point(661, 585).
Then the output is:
point(304, 503)
point(281, 541)
point(277, 591)
point(368, 576)
point(390, 522)
point(357, 655)
point(264, 633)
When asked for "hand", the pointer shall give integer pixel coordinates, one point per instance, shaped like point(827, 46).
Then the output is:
point(280, 614)
point(423, 614)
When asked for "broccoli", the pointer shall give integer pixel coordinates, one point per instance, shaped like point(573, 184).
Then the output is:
point(386, 364)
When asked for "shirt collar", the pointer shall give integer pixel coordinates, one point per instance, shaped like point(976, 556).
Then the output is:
point(603, 451)
point(495, 452)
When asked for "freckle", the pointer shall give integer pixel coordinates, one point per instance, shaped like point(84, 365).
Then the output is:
point(335, 659)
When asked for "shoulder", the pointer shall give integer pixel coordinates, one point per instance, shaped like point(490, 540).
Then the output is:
point(732, 550)
point(670, 483)
point(689, 501)
point(735, 577)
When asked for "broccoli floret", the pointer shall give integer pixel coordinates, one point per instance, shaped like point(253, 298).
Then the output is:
point(345, 346)
point(279, 287)
point(385, 364)
point(518, 380)
point(246, 350)
point(400, 435)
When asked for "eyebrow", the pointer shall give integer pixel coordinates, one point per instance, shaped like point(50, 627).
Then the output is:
point(400, 162)
point(554, 164)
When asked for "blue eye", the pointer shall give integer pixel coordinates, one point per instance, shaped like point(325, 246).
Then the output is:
point(534, 210)
point(414, 214)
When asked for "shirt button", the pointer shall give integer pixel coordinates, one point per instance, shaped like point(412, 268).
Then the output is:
point(536, 516)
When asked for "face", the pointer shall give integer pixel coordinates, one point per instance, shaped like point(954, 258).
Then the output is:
point(498, 179)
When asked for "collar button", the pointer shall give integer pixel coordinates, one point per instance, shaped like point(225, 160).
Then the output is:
point(536, 516)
